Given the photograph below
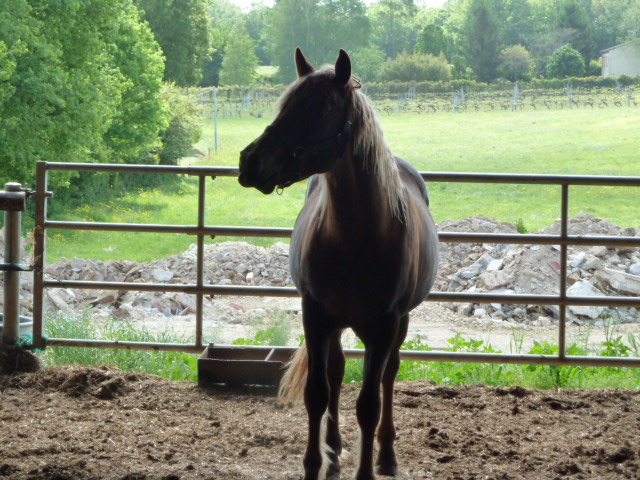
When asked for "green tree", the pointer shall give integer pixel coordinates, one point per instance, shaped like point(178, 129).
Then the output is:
point(615, 22)
point(320, 28)
point(566, 62)
point(184, 129)
point(431, 40)
point(256, 21)
point(417, 67)
point(240, 61)
point(480, 43)
point(392, 26)
point(515, 20)
point(575, 15)
point(181, 29)
point(516, 63)
point(80, 83)
point(224, 17)
point(367, 62)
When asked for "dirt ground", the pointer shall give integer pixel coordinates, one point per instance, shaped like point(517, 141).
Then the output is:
point(98, 423)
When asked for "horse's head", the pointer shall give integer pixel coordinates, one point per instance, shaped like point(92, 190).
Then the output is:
point(310, 133)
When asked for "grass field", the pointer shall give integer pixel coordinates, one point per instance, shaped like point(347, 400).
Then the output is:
point(578, 141)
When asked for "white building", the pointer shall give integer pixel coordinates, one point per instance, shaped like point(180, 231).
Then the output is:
point(623, 59)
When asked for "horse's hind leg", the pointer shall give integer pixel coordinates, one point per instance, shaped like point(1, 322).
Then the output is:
point(336, 375)
point(378, 345)
point(387, 463)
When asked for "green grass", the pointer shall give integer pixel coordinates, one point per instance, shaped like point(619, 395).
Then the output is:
point(579, 141)
point(182, 366)
point(171, 365)
point(532, 376)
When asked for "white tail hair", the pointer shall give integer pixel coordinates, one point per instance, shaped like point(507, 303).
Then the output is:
point(295, 378)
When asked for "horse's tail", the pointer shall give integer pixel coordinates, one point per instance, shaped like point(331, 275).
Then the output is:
point(295, 378)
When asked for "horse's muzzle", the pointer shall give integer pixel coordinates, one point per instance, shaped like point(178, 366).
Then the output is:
point(251, 174)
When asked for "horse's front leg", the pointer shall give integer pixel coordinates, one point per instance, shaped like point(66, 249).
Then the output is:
point(386, 464)
point(336, 375)
point(378, 345)
point(316, 393)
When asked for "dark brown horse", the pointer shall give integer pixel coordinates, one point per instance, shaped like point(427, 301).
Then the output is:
point(363, 253)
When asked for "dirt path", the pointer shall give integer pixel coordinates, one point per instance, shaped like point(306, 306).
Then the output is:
point(94, 423)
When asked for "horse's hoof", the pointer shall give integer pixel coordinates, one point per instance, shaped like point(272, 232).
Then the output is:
point(388, 470)
point(333, 471)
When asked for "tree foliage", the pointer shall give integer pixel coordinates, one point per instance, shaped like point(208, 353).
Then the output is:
point(392, 26)
point(240, 62)
point(367, 62)
point(566, 62)
point(320, 28)
point(181, 29)
point(481, 39)
point(431, 40)
point(81, 82)
point(184, 129)
point(515, 63)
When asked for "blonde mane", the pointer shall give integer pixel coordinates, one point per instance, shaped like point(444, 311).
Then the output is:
point(371, 146)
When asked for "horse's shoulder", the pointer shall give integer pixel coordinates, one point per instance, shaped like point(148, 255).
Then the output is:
point(412, 177)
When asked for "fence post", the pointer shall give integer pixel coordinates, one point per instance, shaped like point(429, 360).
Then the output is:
point(13, 206)
point(215, 116)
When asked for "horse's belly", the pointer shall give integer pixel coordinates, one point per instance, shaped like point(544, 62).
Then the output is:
point(346, 283)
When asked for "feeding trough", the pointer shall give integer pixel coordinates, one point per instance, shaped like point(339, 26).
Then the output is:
point(25, 327)
point(243, 365)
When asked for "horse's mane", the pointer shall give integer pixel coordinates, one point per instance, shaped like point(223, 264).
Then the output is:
point(371, 146)
point(369, 143)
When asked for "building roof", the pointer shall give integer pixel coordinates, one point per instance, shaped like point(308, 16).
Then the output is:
point(632, 42)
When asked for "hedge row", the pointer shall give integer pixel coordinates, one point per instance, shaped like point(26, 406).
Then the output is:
point(398, 88)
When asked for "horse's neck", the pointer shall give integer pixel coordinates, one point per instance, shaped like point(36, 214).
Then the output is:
point(356, 199)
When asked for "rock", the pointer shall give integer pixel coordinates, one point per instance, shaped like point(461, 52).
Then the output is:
point(598, 251)
point(585, 289)
point(54, 296)
point(479, 312)
point(161, 275)
point(495, 265)
point(493, 280)
point(634, 269)
point(469, 272)
point(578, 259)
point(620, 281)
point(592, 263)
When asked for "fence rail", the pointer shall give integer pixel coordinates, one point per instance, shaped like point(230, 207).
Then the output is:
point(200, 230)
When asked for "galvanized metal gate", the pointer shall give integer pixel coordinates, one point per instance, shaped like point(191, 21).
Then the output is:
point(201, 230)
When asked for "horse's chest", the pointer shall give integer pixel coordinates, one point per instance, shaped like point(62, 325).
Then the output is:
point(349, 275)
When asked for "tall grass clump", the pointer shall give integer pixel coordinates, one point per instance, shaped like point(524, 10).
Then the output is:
point(171, 365)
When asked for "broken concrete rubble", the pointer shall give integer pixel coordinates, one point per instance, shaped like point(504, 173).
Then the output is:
point(494, 268)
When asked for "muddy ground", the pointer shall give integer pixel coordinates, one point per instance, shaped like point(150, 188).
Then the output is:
point(98, 423)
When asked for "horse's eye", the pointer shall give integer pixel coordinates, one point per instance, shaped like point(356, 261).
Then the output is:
point(298, 152)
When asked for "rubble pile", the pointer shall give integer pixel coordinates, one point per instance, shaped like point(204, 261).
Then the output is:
point(535, 269)
point(464, 267)
point(230, 263)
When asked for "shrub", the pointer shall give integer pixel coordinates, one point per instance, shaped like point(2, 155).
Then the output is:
point(566, 61)
point(417, 67)
point(185, 126)
point(515, 63)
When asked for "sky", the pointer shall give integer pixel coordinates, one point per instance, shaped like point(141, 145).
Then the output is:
point(246, 4)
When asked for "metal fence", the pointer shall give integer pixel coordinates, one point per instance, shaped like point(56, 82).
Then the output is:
point(201, 230)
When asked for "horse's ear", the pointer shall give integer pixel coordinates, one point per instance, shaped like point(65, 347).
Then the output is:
point(302, 64)
point(343, 68)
